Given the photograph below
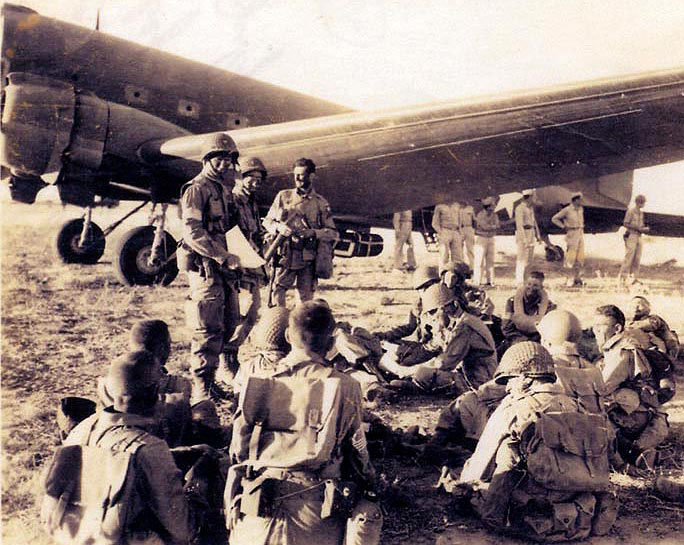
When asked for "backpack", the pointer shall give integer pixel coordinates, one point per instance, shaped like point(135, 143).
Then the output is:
point(569, 451)
point(87, 494)
point(287, 422)
point(585, 385)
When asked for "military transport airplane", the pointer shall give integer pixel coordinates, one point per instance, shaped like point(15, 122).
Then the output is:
point(123, 121)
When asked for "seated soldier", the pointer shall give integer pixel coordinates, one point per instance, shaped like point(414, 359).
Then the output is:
point(650, 330)
point(560, 332)
point(521, 479)
point(179, 422)
point(524, 310)
point(159, 505)
point(474, 299)
point(640, 424)
point(293, 511)
point(466, 353)
point(153, 336)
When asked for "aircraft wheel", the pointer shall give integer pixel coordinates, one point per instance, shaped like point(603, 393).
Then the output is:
point(68, 247)
point(554, 253)
point(131, 261)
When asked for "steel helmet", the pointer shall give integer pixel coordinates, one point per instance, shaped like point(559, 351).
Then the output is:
point(249, 164)
point(425, 274)
point(527, 359)
point(219, 144)
point(435, 297)
point(559, 326)
point(269, 332)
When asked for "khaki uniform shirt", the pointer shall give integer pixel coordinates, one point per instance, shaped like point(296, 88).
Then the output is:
point(525, 224)
point(208, 213)
point(634, 217)
point(570, 217)
point(467, 215)
point(160, 488)
point(316, 214)
point(447, 216)
point(486, 223)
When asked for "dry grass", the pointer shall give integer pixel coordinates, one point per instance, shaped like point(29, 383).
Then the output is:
point(61, 325)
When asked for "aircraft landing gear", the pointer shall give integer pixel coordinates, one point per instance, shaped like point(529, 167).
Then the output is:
point(147, 255)
point(80, 240)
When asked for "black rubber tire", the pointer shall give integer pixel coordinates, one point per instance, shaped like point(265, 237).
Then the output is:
point(130, 259)
point(67, 243)
point(554, 253)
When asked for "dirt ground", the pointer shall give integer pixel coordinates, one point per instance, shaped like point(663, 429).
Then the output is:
point(62, 324)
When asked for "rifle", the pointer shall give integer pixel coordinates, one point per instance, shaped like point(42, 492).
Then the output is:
point(295, 222)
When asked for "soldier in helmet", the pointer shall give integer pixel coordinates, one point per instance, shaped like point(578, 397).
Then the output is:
point(253, 175)
point(208, 212)
point(510, 484)
point(304, 218)
point(466, 353)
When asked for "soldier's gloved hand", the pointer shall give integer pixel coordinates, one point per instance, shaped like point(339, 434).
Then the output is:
point(283, 229)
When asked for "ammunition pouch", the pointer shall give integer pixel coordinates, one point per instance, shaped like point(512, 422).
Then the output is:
point(340, 499)
point(310, 243)
point(258, 496)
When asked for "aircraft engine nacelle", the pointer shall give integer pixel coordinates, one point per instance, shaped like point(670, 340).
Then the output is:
point(353, 243)
point(47, 124)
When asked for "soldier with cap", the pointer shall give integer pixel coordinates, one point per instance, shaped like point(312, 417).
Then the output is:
point(650, 330)
point(639, 421)
point(571, 219)
point(446, 221)
point(486, 226)
point(304, 218)
point(634, 227)
point(511, 480)
point(403, 236)
point(160, 508)
point(467, 354)
point(526, 235)
point(208, 212)
point(253, 175)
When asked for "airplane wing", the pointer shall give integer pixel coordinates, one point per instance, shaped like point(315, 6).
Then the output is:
point(372, 163)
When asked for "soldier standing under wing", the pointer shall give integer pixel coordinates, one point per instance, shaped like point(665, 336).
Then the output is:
point(526, 235)
point(571, 219)
point(208, 212)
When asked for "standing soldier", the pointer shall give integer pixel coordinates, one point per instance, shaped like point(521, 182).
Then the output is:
point(467, 215)
point(446, 221)
point(207, 213)
point(304, 217)
point(403, 225)
point(571, 218)
point(244, 196)
point(486, 226)
point(634, 223)
point(526, 234)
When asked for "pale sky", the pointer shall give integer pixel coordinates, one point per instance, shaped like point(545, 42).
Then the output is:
point(383, 53)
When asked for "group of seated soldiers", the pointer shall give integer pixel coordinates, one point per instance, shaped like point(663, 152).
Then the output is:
point(544, 424)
